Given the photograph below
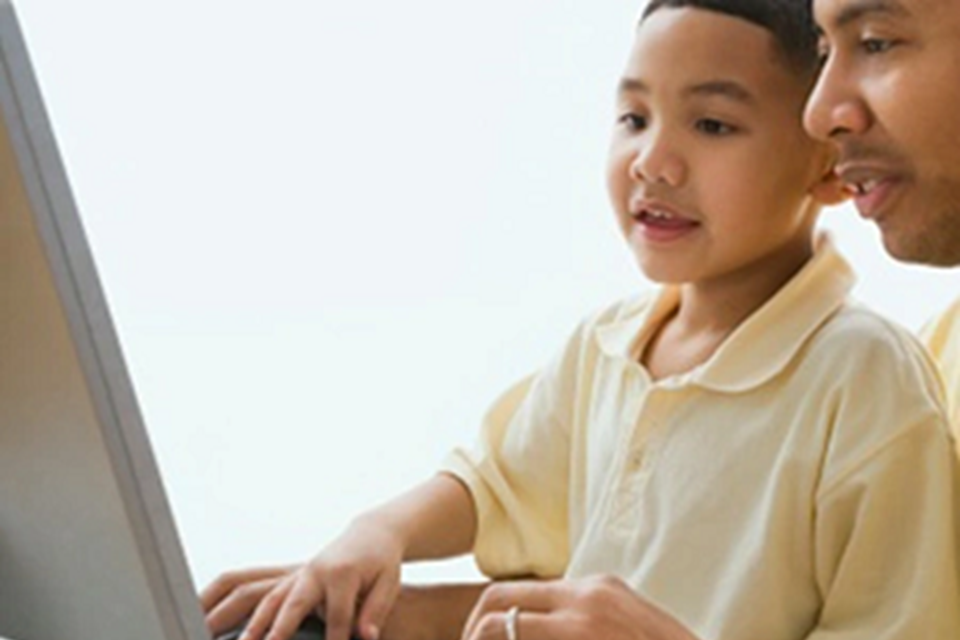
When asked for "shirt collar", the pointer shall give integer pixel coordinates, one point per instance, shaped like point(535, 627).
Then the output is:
point(765, 343)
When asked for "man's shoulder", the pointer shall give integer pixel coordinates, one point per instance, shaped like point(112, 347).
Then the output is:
point(941, 335)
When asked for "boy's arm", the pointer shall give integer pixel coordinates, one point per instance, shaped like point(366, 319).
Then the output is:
point(887, 534)
point(436, 519)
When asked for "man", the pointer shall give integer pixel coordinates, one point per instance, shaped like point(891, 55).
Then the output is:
point(888, 98)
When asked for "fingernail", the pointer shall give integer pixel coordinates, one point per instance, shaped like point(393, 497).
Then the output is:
point(373, 633)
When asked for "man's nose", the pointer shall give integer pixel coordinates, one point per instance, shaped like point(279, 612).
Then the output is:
point(836, 107)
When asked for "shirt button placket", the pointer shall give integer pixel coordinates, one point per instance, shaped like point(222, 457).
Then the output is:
point(636, 471)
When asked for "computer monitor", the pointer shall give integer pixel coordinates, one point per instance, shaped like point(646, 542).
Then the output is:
point(88, 545)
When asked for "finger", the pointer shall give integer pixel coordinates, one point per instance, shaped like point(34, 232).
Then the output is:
point(528, 626)
point(229, 612)
point(299, 602)
point(528, 595)
point(341, 608)
point(263, 616)
point(226, 583)
point(377, 605)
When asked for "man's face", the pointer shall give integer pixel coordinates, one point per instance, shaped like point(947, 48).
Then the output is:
point(889, 98)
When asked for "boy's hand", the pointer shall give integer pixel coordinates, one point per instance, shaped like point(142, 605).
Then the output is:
point(230, 599)
point(602, 607)
point(352, 584)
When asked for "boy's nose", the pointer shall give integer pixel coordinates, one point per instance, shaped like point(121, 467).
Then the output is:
point(835, 108)
point(656, 161)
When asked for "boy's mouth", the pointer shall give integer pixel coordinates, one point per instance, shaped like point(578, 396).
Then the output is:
point(662, 219)
point(660, 223)
point(661, 215)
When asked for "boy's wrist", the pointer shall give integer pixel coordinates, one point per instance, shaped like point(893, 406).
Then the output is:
point(384, 526)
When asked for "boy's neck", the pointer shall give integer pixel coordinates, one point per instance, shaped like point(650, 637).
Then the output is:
point(710, 311)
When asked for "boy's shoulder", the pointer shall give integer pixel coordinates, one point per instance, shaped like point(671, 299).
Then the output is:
point(863, 354)
point(878, 387)
point(855, 329)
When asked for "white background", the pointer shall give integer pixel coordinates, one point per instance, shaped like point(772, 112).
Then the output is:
point(332, 232)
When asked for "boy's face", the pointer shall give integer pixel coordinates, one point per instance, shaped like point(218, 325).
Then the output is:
point(889, 98)
point(710, 168)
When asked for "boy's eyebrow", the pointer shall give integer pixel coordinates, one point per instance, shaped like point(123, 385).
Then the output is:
point(632, 85)
point(860, 9)
point(722, 88)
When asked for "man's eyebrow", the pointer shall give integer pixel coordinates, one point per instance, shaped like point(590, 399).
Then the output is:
point(860, 9)
point(722, 88)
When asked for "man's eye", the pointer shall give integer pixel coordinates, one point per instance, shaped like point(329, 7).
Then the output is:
point(715, 127)
point(823, 54)
point(633, 121)
point(873, 46)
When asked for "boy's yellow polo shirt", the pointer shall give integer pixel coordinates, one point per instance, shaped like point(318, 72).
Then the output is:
point(799, 484)
point(942, 337)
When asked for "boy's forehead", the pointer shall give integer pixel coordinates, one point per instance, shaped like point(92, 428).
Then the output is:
point(689, 41)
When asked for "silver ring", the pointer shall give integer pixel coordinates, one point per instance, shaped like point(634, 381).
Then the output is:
point(510, 623)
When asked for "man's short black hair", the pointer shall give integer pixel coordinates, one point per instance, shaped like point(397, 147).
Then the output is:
point(790, 21)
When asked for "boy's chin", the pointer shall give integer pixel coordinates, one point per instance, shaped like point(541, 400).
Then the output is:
point(663, 274)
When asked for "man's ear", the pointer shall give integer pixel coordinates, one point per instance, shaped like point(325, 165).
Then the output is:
point(830, 189)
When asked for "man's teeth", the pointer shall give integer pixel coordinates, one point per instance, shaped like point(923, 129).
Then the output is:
point(863, 188)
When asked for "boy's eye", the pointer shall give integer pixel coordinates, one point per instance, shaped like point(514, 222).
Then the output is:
point(633, 121)
point(715, 127)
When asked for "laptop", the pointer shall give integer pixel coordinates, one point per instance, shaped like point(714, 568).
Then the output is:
point(88, 546)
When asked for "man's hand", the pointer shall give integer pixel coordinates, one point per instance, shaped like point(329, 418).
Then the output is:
point(586, 609)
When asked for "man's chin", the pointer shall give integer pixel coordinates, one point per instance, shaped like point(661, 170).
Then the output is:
point(927, 251)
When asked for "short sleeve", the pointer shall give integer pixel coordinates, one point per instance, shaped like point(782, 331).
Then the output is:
point(519, 473)
point(886, 540)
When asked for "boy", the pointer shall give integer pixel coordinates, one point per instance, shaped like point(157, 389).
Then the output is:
point(745, 447)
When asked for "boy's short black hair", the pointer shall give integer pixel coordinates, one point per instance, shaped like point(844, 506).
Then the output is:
point(790, 21)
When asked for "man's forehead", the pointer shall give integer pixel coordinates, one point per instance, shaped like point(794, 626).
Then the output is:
point(836, 14)
point(832, 14)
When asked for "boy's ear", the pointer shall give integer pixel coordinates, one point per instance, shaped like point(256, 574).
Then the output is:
point(829, 189)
